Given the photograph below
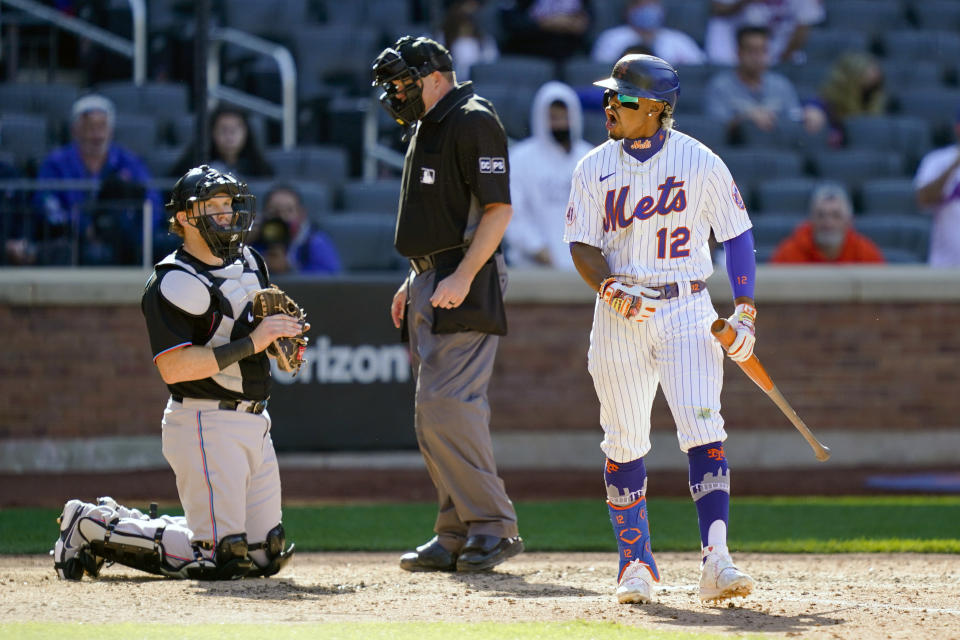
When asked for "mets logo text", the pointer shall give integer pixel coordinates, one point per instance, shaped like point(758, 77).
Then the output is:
point(666, 202)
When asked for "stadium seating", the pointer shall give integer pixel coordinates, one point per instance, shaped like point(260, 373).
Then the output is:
point(512, 104)
point(853, 166)
point(752, 166)
point(321, 163)
point(25, 136)
point(517, 72)
point(824, 44)
point(137, 132)
point(704, 128)
point(869, 16)
point(888, 196)
point(907, 135)
point(937, 14)
point(922, 44)
point(771, 229)
point(583, 72)
point(898, 233)
point(364, 240)
point(784, 195)
point(379, 196)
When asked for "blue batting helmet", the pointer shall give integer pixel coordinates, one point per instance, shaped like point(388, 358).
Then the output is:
point(644, 76)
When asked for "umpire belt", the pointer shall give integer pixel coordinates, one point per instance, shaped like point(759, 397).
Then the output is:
point(443, 258)
point(248, 406)
point(672, 290)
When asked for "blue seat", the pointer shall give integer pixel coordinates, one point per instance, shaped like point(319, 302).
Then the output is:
point(379, 196)
point(937, 105)
point(898, 233)
point(275, 17)
point(922, 44)
point(364, 241)
point(583, 72)
point(825, 45)
point(514, 71)
point(688, 16)
point(787, 195)
point(704, 128)
point(752, 166)
point(853, 166)
point(937, 14)
point(912, 74)
point(907, 135)
point(24, 135)
point(512, 104)
point(870, 16)
point(161, 160)
point(136, 132)
point(888, 196)
point(319, 163)
point(771, 229)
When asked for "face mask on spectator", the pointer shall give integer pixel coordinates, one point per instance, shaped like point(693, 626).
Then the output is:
point(647, 17)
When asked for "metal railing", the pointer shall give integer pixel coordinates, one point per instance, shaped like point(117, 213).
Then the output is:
point(286, 112)
point(373, 151)
point(62, 242)
point(135, 49)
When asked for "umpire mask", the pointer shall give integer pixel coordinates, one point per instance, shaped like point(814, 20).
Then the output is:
point(398, 69)
point(225, 232)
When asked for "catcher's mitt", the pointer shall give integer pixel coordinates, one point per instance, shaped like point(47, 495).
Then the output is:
point(287, 351)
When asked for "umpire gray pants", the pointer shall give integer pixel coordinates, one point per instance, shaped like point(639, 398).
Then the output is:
point(452, 420)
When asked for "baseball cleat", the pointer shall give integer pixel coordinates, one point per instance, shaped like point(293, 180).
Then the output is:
point(636, 584)
point(720, 579)
point(71, 553)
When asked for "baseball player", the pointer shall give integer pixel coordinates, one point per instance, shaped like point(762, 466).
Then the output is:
point(216, 430)
point(641, 209)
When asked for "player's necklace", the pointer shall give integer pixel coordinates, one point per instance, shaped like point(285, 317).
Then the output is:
point(644, 148)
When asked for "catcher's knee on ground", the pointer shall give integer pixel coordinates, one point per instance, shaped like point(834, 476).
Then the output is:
point(108, 542)
point(269, 556)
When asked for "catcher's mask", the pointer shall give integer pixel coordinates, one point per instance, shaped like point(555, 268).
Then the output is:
point(399, 68)
point(225, 232)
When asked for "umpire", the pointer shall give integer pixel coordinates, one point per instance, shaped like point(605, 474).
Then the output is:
point(454, 209)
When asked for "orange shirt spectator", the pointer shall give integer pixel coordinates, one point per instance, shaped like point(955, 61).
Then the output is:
point(828, 236)
point(801, 246)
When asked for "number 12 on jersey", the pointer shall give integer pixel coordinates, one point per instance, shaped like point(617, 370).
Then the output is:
point(679, 238)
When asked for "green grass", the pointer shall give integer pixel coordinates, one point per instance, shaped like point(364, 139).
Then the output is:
point(811, 525)
point(579, 630)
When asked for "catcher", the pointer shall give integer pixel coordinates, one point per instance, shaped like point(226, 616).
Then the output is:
point(213, 320)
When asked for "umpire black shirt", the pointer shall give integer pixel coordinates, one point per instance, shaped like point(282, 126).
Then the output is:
point(455, 165)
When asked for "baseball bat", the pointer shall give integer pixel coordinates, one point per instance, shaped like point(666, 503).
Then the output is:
point(725, 335)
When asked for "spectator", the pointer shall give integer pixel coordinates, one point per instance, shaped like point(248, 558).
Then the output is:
point(644, 26)
point(106, 221)
point(828, 236)
point(542, 166)
point(752, 93)
point(788, 21)
point(854, 86)
point(937, 184)
point(465, 39)
point(232, 149)
point(287, 225)
point(550, 28)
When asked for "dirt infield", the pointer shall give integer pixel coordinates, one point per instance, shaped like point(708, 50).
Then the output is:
point(860, 596)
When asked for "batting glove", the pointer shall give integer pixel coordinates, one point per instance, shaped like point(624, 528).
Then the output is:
point(744, 320)
point(631, 301)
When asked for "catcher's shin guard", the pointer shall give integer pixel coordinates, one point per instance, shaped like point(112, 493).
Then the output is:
point(231, 561)
point(277, 557)
point(129, 549)
point(632, 529)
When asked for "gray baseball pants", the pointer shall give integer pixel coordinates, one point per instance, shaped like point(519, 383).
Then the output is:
point(452, 422)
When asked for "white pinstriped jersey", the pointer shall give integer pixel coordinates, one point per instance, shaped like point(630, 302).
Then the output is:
point(652, 219)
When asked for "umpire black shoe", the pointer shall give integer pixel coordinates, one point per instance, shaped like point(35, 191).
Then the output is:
point(430, 556)
point(485, 552)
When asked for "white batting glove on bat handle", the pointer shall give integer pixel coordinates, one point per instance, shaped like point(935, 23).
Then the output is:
point(632, 301)
point(744, 321)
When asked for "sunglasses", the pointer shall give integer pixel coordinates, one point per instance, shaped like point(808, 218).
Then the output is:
point(630, 102)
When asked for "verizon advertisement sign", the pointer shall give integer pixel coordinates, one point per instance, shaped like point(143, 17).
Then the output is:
point(355, 392)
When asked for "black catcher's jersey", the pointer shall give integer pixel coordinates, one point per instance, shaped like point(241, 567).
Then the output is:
point(187, 302)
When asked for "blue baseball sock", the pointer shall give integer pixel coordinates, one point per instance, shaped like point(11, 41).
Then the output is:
point(710, 488)
point(626, 488)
